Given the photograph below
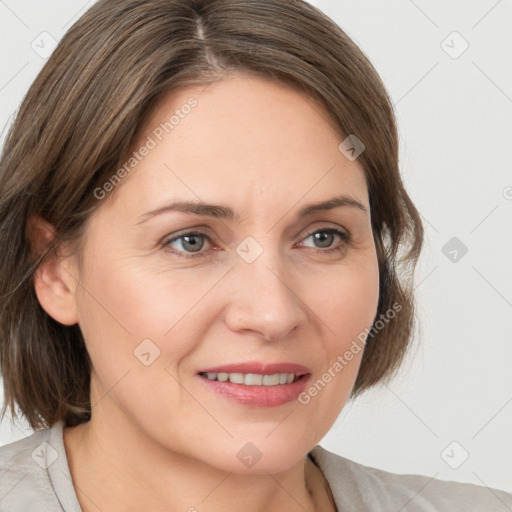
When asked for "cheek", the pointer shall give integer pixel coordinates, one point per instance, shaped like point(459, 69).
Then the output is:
point(124, 303)
point(127, 299)
point(131, 324)
point(347, 307)
point(348, 302)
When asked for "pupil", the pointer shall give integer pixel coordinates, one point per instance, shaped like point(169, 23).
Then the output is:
point(321, 237)
point(192, 241)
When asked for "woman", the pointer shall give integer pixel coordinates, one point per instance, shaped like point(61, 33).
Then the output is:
point(201, 219)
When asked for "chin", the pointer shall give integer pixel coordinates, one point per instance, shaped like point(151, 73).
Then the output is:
point(251, 455)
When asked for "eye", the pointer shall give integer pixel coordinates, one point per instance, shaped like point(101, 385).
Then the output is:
point(190, 245)
point(325, 237)
point(193, 242)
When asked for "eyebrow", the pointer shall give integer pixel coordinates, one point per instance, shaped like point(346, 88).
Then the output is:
point(225, 212)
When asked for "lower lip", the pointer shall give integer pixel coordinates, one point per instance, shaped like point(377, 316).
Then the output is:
point(259, 396)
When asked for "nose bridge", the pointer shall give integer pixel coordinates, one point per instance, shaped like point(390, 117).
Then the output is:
point(265, 301)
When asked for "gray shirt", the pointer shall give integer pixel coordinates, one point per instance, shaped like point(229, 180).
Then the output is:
point(35, 476)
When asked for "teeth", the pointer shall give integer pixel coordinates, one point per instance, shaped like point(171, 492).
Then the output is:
point(236, 378)
point(271, 380)
point(252, 379)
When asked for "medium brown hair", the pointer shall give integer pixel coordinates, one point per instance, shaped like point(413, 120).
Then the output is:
point(81, 115)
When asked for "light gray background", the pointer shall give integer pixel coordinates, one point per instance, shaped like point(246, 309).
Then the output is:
point(455, 124)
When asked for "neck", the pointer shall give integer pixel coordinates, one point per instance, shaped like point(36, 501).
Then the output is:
point(115, 467)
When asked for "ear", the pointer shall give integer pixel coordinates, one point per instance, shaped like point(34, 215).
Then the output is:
point(56, 278)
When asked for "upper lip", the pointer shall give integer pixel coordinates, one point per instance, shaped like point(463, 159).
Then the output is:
point(259, 368)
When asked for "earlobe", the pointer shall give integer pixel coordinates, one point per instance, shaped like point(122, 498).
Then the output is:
point(55, 280)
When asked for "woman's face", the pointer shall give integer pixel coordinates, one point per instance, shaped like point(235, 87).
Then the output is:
point(263, 285)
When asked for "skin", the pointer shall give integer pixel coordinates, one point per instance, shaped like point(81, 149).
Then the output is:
point(159, 439)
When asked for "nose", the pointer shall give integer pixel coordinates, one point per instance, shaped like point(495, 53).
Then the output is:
point(264, 299)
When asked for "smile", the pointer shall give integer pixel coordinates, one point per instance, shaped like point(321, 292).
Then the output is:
point(252, 379)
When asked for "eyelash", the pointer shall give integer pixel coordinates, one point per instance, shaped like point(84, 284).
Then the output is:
point(346, 238)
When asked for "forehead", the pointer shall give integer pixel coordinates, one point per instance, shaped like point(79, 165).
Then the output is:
point(247, 141)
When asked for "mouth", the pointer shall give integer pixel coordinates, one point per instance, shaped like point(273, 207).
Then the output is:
point(252, 379)
point(257, 384)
